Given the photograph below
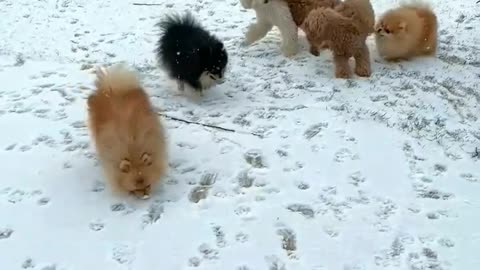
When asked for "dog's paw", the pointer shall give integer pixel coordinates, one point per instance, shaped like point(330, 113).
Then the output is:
point(289, 51)
point(363, 71)
point(342, 74)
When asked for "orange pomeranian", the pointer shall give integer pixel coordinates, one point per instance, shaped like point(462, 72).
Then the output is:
point(406, 32)
point(128, 135)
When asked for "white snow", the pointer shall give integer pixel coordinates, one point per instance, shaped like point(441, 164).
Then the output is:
point(361, 174)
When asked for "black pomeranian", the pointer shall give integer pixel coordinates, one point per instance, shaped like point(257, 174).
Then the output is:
point(190, 54)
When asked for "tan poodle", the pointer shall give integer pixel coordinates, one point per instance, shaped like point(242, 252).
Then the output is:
point(344, 31)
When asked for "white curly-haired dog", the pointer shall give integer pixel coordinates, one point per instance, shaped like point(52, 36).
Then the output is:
point(272, 13)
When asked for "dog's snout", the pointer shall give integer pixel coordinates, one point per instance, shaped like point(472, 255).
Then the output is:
point(139, 182)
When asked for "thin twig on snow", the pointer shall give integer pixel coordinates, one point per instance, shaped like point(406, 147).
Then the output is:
point(209, 126)
point(146, 4)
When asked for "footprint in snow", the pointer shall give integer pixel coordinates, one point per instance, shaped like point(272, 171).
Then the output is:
point(255, 158)
point(244, 179)
point(208, 252)
point(194, 261)
point(198, 193)
point(154, 213)
point(314, 130)
point(274, 263)
point(28, 264)
point(96, 225)
point(241, 237)
point(123, 254)
point(289, 240)
point(303, 209)
point(219, 236)
point(5, 233)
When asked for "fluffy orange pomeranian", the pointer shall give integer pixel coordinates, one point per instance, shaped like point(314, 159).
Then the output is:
point(129, 137)
point(406, 32)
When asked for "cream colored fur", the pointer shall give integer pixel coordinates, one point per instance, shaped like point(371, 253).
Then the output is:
point(272, 13)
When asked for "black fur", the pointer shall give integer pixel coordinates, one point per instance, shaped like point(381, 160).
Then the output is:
point(186, 50)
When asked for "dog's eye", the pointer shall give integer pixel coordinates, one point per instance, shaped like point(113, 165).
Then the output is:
point(125, 166)
point(387, 31)
point(146, 159)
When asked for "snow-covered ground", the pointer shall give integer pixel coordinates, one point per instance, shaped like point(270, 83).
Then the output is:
point(323, 174)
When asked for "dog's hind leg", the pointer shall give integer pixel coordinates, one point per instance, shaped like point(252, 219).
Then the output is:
point(362, 61)
point(342, 69)
point(257, 31)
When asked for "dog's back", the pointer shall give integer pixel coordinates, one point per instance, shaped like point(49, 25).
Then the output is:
point(361, 11)
point(301, 8)
point(120, 113)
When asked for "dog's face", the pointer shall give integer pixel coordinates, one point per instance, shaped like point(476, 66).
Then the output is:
point(138, 175)
point(216, 64)
point(391, 27)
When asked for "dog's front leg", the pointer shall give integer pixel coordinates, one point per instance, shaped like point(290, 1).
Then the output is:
point(257, 31)
point(289, 32)
point(362, 61)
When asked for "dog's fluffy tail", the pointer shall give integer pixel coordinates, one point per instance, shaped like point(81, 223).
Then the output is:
point(175, 22)
point(116, 80)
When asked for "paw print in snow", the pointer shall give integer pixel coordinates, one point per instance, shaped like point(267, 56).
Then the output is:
point(289, 240)
point(5, 233)
point(314, 130)
point(154, 213)
point(255, 158)
point(96, 225)
point(303, 209)
point(244, 179)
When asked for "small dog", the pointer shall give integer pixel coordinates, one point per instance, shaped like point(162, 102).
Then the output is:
point(272, 13)
point(190, 54)
point(129, 138)
point(344, 31)
point(406, 32)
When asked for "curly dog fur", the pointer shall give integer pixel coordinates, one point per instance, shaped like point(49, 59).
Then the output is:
point(344, 31)
point(301, 8)
point(407, 31)
point(272, 13)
